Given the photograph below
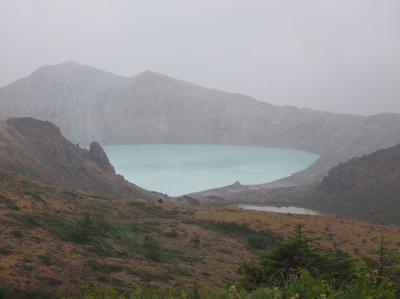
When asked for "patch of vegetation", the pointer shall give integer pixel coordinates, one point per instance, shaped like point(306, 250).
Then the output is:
point(291, 257)
point(172, 235)
point(152, 249)
point(49, 281)
point(16, 233)
point(144, 244)
point(86, 230)
point(153, 210)
point(45, 260)
point(29, 220)
point(206, 274)
point(295, 268)
point(17, 294)
point(35, 195)
point(4, 199)
point(104, 268)
point(60, 227)
point(148, 277)
point(178, 271)
point(25, 184)
point(255, 239)
point(95, 230)
point(7, 201)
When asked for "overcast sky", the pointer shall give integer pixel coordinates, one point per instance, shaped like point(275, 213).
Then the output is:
point(335, 55)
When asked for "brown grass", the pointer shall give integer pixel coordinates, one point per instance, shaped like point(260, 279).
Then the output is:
point(33, 257)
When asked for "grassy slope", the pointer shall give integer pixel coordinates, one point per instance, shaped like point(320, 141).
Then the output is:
point(132, 242)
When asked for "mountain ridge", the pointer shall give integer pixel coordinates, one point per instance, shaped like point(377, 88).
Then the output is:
point(153, 108)
point(36, 148)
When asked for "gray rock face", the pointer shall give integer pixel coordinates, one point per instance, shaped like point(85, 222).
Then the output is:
point(96, 153)
point(89, 104)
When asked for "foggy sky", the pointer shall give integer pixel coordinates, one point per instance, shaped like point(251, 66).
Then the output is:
point(335, 55)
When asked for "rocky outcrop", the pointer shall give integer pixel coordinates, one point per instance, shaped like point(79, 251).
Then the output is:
point(97, 153)
point(36, 148)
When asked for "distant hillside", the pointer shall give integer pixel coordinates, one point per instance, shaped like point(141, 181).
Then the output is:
point(367, 187)
point(37, 149)
point(90, 104)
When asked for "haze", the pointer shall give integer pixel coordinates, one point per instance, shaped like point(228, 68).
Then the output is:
point(335, 55)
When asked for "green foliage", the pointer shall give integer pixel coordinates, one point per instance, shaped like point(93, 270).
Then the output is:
point(255, 239)
point(59, 227)
point(85, 230)
point(16, 233)
point(95, 230)
point(147, 277)
point(35, 195)
point(295, 268)
point(151, 249)
point(105, 268)
point(172, 235)
point(154, 210)
point(30, 220)
point(288, 258)
point(303, 287)
point(387, 262)
point(369, 285)
point(7, 201)
point(388, 259)
point(15, 294)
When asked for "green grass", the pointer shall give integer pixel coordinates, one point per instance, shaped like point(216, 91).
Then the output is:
point(148, 277)
point(6, 293)
point(153, 210)
point(256, 240)
point(35, 196)
point(7, 201)
point(141, 242)
point(97, 232)
point(29, 220)
point(4, 199)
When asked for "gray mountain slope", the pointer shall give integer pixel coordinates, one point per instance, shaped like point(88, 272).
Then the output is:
point(90, 104)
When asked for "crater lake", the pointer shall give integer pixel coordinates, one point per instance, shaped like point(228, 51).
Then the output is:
point(177, 169)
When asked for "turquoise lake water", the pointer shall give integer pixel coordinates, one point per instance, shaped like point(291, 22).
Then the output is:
point(178, 169)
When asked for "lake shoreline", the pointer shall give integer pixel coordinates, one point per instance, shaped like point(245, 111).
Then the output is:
point(281, 209)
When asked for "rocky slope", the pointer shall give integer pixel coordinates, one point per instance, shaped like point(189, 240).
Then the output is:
point(367, 187)
point(37, 148)
point(89, 104)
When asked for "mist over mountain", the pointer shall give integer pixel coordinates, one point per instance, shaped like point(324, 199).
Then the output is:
point(89, 104)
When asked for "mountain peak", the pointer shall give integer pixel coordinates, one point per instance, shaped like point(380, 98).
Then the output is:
point(64, 65)
point(153, 75)
point(69, 63)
